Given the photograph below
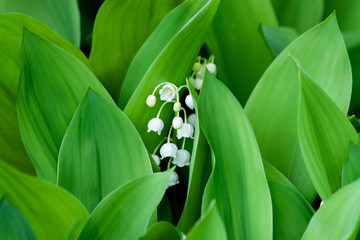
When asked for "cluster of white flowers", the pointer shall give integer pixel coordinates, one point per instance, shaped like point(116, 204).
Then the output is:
point(169, 93)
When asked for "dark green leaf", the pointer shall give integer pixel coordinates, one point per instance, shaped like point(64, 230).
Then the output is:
point(162, 230)
point(121, 27)
point(347, 12)
point(238, 180)
point(351, 167)
point(101, 151)
point(52, 84)
point(13, 225)
point(278, 38)
point(125, 213)
point(51, 211)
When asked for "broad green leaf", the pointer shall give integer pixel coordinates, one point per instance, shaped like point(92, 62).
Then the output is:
point(52, 84)
point(11, 27)
point(125, 213)
point(101, 151)
point(240, 53)
point(347, 12)
point(210, 226)
point(299, 14)
point(278, 38)
point(167, 55)
point(272, 107)
point(338, 217)
point(200, 166)
point(120, 28)
point(291, 213)
point(238, 180)
point(351, 167)
point(13, 225)
point(324, 133)
point(162, 230)
point(61, 16)
point(50, 211)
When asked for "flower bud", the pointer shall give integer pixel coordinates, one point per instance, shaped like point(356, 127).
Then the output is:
point(174, 179)
point(177, 122)
point(151, 100)
point(189, 101)
point(211, 68)
point(186, 131)
point(156, 125)
point(196, 67)
point(177, 107)
point(182, 158)
point(168, 150)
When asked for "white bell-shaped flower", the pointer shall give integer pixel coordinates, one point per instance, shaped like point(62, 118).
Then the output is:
point(168, 150)
point(182, 158)
point(211, 67)
point(177, 122)
point(151, 100)
point(189, 101)
point(197, 82)
point(156, 159)
point(174, 179)
point(167, 93)
point(192, 119)
point(186, 131)
point(156, 125)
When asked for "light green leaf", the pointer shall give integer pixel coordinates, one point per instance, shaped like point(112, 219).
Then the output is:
point(13, 225)
point(238, 180)
point(272, 107)
point(11, 27)
point(101, 151)
point(324, 133)
point(120, 28)
point(351, 167)
point(200, 167)
point(299, 14)
point(52, 84)
point(210, 226)
point(61, 16)
point(42, 203)
point(240, 53)
point(162, 230)
point(125, 213)
point(338, 217)
point(167, 55)
point(278, 38)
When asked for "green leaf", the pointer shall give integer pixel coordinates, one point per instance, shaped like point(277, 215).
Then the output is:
point(351, 167)
point(42, 203)
point(324, 133)
point(200, 168)
point(52, 84)
point(13, 225)
point(101, 151)
point(210, 226)
point(11, 27)
point(238, 180)
point(291, 213)
point(63, 17)
point(181, 34)
point(162, 230)
point(354, 54)
point(347, 12)
point(120, 28)
point(278, 38)
point(272, 107)
point(240, 53)
point(125, 213)
point(338, 217)
point(299, 14)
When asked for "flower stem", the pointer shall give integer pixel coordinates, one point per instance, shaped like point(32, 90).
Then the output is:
point(169, 164)
point(185, 117)
point(157, 116)
point(158, 146)
point(169, 136)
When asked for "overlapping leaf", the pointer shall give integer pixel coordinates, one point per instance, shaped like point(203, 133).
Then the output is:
point(238, 180)
point(167, 55)
point(278, 38)
point(121, 27)
point(63, 17)
point(52, 84)
point(101, 151)
point(11, 28)
point(272, 107)
point(42, 203)
point(125, 213)
point(351, 167)
point(162, 230)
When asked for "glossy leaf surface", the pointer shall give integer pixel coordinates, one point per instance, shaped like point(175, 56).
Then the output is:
point(101, 151)
point(162, 230)
point(125, 213)
point(278, 38)
point(238, 180)
point(52, 84)
point(351, 167)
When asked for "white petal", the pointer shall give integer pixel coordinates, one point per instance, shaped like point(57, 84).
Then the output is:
point(177, 122)
point(168, 150)
point(189, 101)
point(192, 119)
point(156, 125)
point(156, 159)
point(174, 179)
point(198, 82)
point(186, 131)
point(212, 68)
point(167, 93)
point(182, 158)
